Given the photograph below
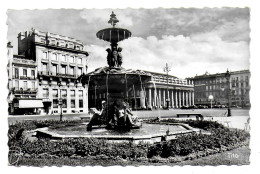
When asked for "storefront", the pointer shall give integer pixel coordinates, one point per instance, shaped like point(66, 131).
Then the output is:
point(28, 107)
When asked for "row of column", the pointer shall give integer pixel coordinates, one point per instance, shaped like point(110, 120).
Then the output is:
point(177, 98)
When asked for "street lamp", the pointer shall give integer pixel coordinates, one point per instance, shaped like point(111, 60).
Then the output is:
point(167, 69)
point(211, 98)
point(227, 75)
point(60, 102)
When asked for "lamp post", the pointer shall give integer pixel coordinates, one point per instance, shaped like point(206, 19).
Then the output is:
point(227, 75)
point(60, 102)
point(167, 69)
point(211, 98)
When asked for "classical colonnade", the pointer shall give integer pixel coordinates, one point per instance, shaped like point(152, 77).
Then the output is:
point(177, 97)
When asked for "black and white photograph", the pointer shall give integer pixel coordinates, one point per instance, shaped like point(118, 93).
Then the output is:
point(129, 86)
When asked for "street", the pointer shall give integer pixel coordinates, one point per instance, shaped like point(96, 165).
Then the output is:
point(237, 120)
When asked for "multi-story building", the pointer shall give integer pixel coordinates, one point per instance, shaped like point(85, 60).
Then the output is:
point(240, 88)
point(232, 88)
point(180, 92)
point(58, 61)
point(22, 86)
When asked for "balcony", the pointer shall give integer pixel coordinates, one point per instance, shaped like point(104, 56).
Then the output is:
point(54, 74)
point(26, 78)
point(24, 91)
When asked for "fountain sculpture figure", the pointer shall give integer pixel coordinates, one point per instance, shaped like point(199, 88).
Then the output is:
point(115, 82)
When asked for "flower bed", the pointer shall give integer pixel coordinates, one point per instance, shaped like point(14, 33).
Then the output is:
point(183, 148)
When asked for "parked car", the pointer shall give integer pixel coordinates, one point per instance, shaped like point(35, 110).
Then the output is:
point(216, 106)
point(203, 106)
point(184, 107)
point(193, 107)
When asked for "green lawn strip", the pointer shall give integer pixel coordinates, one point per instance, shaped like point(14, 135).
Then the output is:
point(239, 156)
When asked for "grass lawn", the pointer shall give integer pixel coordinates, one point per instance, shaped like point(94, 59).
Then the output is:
point(239, 156)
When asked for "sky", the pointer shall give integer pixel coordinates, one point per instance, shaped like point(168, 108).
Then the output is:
point(191, 41)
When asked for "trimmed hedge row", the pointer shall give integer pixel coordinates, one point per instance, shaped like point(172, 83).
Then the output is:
point(184, 147)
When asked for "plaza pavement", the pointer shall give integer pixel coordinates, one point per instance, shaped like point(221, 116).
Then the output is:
point(237, 120)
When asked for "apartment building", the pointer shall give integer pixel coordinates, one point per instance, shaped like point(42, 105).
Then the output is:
point(232, 88)
point(55, 62)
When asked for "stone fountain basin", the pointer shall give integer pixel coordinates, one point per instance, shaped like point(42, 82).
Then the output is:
point(147, 133)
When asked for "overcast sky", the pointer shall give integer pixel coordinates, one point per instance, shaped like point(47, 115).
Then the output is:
point(191, 40)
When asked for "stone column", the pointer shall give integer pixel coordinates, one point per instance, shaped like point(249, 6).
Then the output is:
point(180, 99)
point(176, 99)
point(149, 97)
point(183, 98)
point(142, 98)
point(163, 97)
point(172, 100)
point(187, 98)
point(169, 97)
point(159, 98)
point(155, 97)
point(192, 97)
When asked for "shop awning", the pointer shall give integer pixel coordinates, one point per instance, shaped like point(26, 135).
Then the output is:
point(30, 104)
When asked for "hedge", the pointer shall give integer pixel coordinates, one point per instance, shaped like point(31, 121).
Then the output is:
point(187, 146)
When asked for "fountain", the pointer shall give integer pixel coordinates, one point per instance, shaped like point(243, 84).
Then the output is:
point(117, 89)
point(114, 82)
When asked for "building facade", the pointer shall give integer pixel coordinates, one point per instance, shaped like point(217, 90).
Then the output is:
point(162, 88)
point(153, 92)
point(56, 62)
point(227, 89)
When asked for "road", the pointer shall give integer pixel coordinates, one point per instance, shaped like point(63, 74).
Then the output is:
point(240, 115)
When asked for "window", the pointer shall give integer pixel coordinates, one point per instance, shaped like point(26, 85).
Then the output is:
point(63, 93)
point(79, 71)
point(55, 103)
point(25, 72)
point(71, 70)
point(33, 85)
point(16, 84)
point(72, 59)
point(64, 103)
point(79, 60)
point(72, 93)
point(80, 93)
point(16, 73)
point(55, 93)
point(80, 103)
point(63, 58)
point(54, 69)
point(63, 69)
point(72, 103)
point(33, 73)
point(45, 93)
point(54, 56)
point(45, 55)
point(44, 67)
point(25, 85)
